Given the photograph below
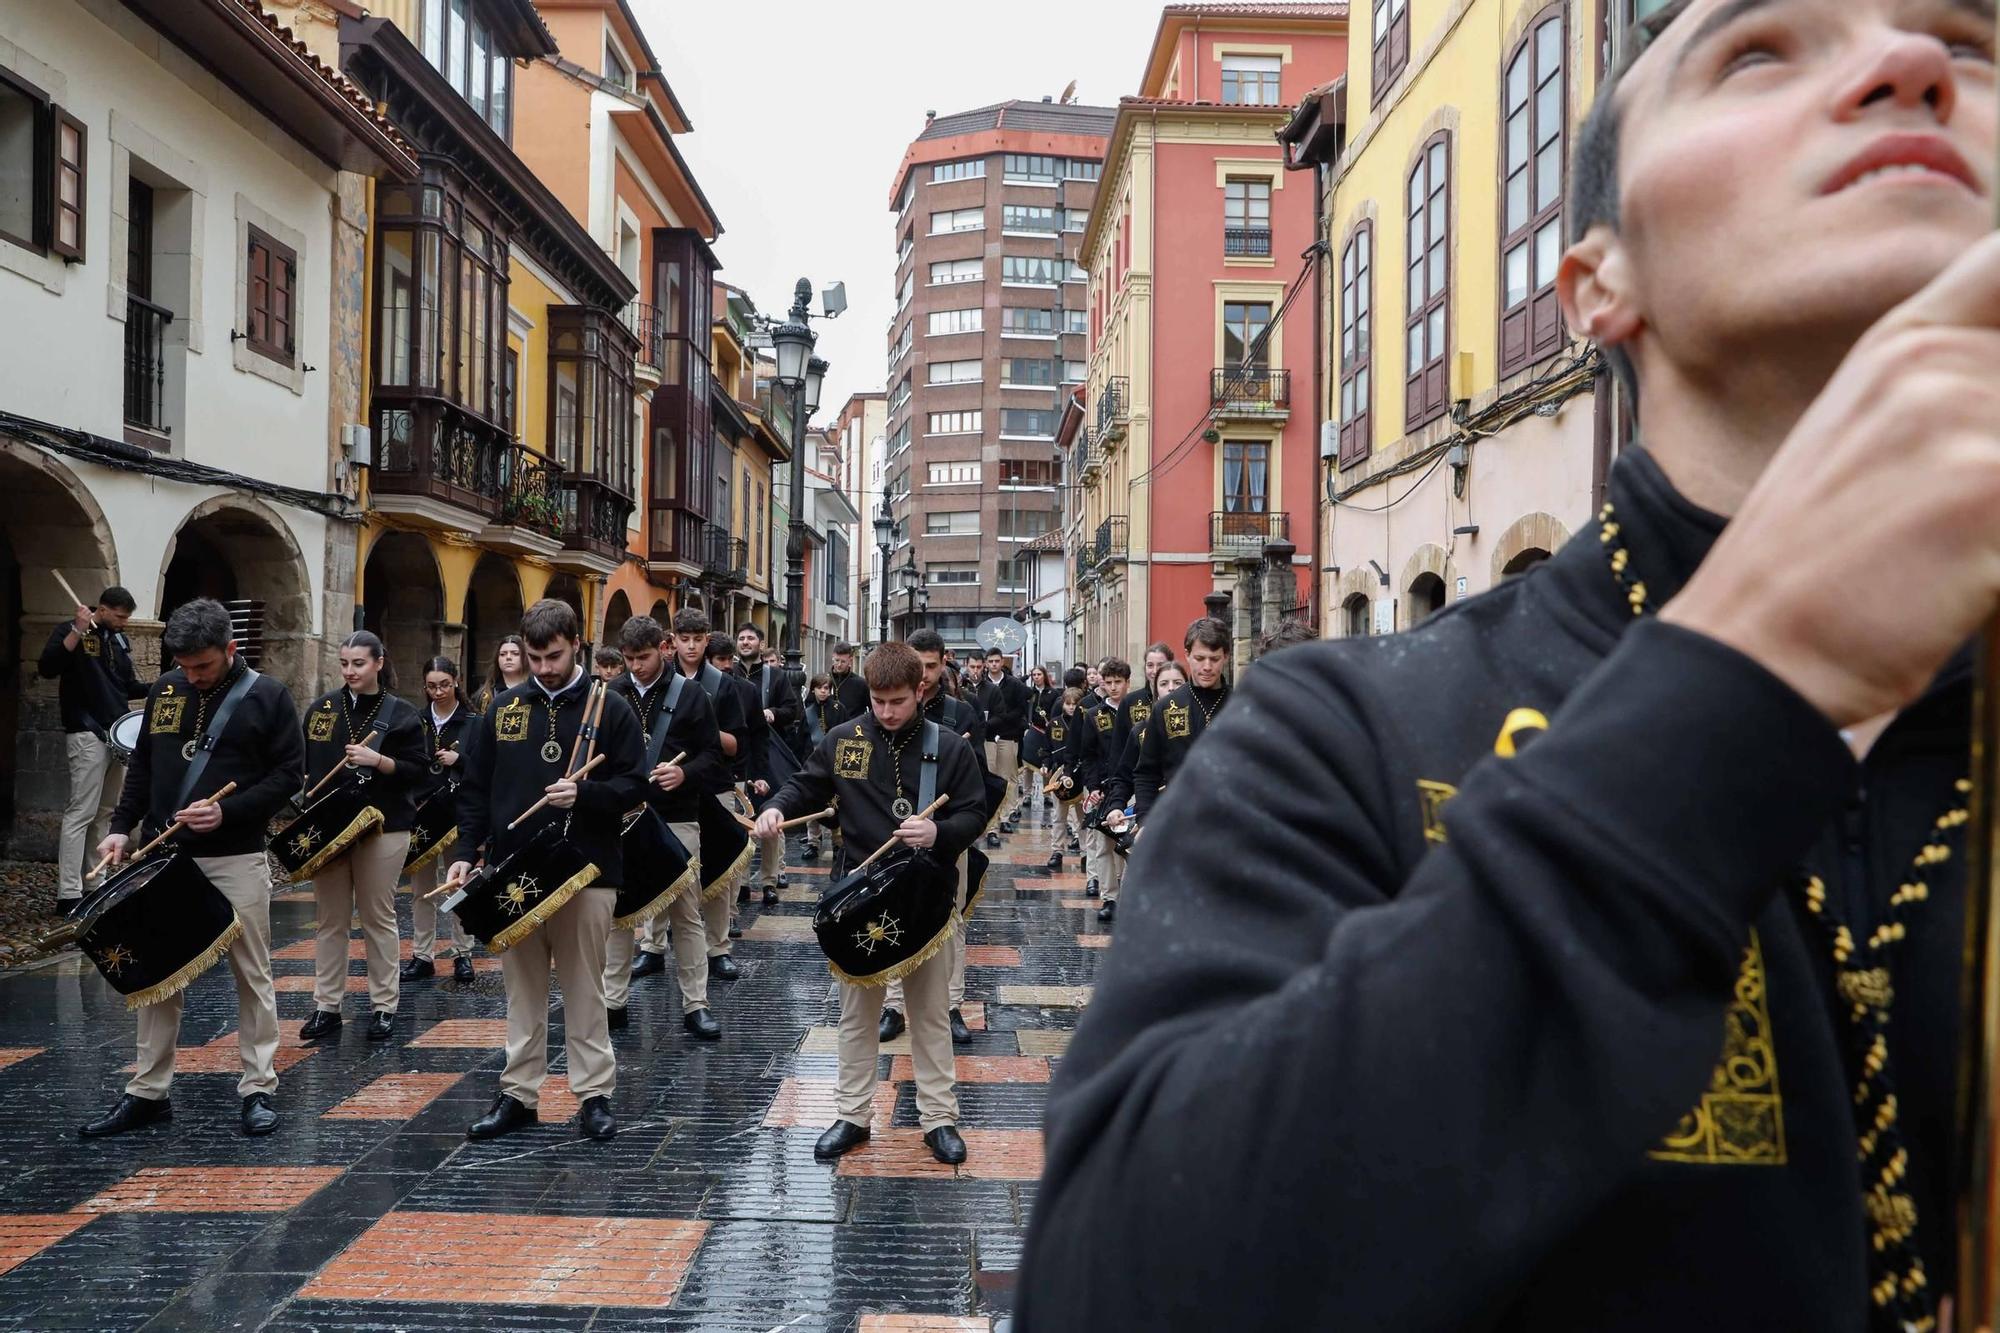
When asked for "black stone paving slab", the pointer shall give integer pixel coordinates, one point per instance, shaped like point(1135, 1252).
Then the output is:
point(790, 1244)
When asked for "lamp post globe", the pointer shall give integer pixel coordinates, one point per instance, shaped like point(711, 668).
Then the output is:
point(816, 369)
point(791, 345)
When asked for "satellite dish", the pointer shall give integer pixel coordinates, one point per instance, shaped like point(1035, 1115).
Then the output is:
point(1068, 94)
point(1001, 633)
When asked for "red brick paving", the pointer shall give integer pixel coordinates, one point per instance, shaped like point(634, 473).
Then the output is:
point(897, 1153)
point(980, 1069)
point(25, 1235)
point(809, 1102)
point(992, 955)
point(393, 1097)
point(214, 1189)
point(556, 1103)
point(464, 1034)
point(13, 1055)
point(1002, 1154)
point(221, 1057)
point(1079, 904)
point(1094, 941)
point(923, 1323)
point(463, 1258)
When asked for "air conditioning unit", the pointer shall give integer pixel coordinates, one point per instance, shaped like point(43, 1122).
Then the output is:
point(1329, 440)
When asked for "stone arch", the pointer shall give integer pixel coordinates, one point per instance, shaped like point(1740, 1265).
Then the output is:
point(617, 610)
point(48, 521)
point(237, 550)
point(568, 588)
point(1527, 541)
point(402, 599)
point(1356, 585)
point(1426, 582)
point(493, 609)
point(662, 613)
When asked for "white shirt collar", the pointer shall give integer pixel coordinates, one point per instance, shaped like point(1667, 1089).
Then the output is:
point(576, 673)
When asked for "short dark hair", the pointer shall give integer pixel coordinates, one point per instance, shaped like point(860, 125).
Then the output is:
point(1117, 668)
point(1160, 647)
point(747, 628)
point(117, 599)
point(926, 641)
point(640, 633)
point(843, 649)
point(1289, 633)
point(893, 666)
point(197, 626)
point(548, 620)
point(607, 656)
point(1209, 633)
point(690, 620)
point(1075, 678)
point(720, 646)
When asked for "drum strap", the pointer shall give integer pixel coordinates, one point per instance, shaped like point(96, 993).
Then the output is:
point(214, 734)
point(927, 775)
point(658, 740)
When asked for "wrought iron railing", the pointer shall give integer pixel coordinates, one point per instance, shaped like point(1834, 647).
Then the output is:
point(431, 447)
point(1250, 241)
point(529, 494)
point(1111, 540)
point(1257, 388)
point(146, 364)
point(1113, 407)
point(648, 325)
point(595, 516)
point(1245, 532)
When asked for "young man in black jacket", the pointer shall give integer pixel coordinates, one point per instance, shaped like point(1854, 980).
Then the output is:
point(1588, 957)
point(259, 747)
point(692, 638)
point(675, 720)
point(90, 659)
point(1101, 746)
point(1006, 720)
point(777, 700)
point(522, 752)
point(1179, 720)
point(849, 690)
point(874, 766)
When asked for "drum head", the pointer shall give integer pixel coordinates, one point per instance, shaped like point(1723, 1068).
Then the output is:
point(125, 732)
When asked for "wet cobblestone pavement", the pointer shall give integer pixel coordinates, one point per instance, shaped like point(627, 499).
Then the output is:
point(369, 1210)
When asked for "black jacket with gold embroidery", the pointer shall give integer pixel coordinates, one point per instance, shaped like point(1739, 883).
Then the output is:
point(1176, 723)
point(1471, 987)
point(855, 761)
point(401, 738)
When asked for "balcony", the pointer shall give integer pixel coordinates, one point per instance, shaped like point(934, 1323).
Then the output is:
point(1089, 457)
point(1246, 242)
point(1086, 564)
point(436, 463)
point(674, 540)
point(1250, 393)
point(529, 518)
point(648, 324)
point(146, 366)
point(724, 559)
point(1235, 533)
point(594, 520)
point(1110, 546)
point(1114, 407)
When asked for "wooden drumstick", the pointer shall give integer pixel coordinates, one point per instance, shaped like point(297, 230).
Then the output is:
point(924, 813)
point(369, 739)
point(449, 886)
point(593, 712)
point(71, 592)
point(166, 833)
point(537, 806)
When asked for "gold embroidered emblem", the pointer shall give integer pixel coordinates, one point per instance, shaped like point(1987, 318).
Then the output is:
point(885, 931)
point(116, 959)
point(511, 722)
point(91, 647)
point(1056, 732)
point(319, 727)
point(306, 841)
point(1104, 722)
point(1514, 730)
point(1433, 795)
point(167, 715)
point(850, 759)
point(1740, 1120)
point(1177, 722)
point(514, 898)
point(1141, 713)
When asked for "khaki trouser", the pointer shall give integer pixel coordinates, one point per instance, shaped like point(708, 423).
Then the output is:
point(1100, 861)
point(930, 1046)
point(652, 937)
point(364, 880)
point(246, 881)
point(956, 949)
point(770, 858)
point(427, 923)
point(94, 782)
point(1069, 821)
point(573, 940)
point(1004, 758)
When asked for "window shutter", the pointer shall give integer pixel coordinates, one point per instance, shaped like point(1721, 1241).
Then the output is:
point(1399, 40)
point(282, 274)
point(66, 187)
point(256, 316)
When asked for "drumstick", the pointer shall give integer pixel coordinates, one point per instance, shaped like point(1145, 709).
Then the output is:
point(789, 823)
point(536, 807)
point(924, 813)
point(369, 739)
point(169, 832)
point(593, 709)
point(450, 885)
point(74, 599)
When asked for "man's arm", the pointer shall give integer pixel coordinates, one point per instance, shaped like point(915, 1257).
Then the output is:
point(729, 718)
point(56, 653)
point(619, 783)
point(475, 781)
point(1377, 1063)
point(786, 710)
point(1149, 764)
point(694, 734)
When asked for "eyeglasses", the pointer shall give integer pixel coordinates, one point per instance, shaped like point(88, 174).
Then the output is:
point(439, 686)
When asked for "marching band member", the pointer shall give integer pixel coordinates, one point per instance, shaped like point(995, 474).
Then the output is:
point(447, 718)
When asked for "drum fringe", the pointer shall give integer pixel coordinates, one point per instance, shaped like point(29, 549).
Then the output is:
point(443, 845)
point(551, 904)
point(690, 878)
point(900, 970)
point(369, 818)
point(727, 877)
point(184, 978)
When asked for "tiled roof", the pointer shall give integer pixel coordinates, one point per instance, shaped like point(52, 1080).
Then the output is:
point(1264, 11)
point(332, 77)
point(1205, 104)
point(1048, 541)
point(1055, 117)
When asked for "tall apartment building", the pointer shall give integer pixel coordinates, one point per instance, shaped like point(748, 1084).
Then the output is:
point(990, 317)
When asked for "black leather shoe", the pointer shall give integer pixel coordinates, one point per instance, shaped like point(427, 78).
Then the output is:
point(735, 931)
point(461, 970)
point(323, 1023)
point(647, 964)
point(723, 968)
point(809, 852)
point(770, 895)
point(381, 1025)
point(506, 1116)
point(946, 1145)
point(616, 1019)
point(960, 1033)
point(1074, 846)
point(594, 1119)
point(1090, 889)
point(993, 840)
point(843, 1137)
point(260, 1116)
point(743, 893)
point(891, 1025)
point(416, 969)
point(129, 1113)
point(1109, 911)
point(701, 1025)
point(1055, 861)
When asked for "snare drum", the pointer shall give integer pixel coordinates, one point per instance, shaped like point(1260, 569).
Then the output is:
point(658, 869)
point(154, 927)
point(504, 903)
point(434, 827)
point(879, 924)
point(725, 847)
point(123, 735)
point(326, 830)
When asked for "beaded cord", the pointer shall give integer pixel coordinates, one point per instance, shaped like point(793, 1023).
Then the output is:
point(1864, 978)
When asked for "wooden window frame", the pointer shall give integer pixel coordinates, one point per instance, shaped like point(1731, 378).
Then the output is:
point(1390, 46)
point(1541, 307)
point(1357, 280)
point(285, 353)
point(60, 167)
point(1427, 387)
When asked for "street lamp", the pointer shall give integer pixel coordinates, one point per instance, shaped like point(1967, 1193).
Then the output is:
point(885, 532)
point(800, 373)
point(816, 369)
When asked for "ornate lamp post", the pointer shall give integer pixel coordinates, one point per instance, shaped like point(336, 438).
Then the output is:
point(801, 374)
point(885, 533)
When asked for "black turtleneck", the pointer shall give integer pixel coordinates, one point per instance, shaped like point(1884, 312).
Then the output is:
point(866, 767)
point(1486, 941)
point(1175, 724)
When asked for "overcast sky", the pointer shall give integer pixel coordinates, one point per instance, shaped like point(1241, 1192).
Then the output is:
point(802, 111)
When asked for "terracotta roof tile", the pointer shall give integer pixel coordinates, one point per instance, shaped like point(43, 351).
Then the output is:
point(1270, 11)
point(332, 77)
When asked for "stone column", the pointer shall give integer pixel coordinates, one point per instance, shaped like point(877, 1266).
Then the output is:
point(1280, 582)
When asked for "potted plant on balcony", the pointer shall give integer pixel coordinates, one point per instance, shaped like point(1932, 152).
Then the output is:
point(536, 510)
